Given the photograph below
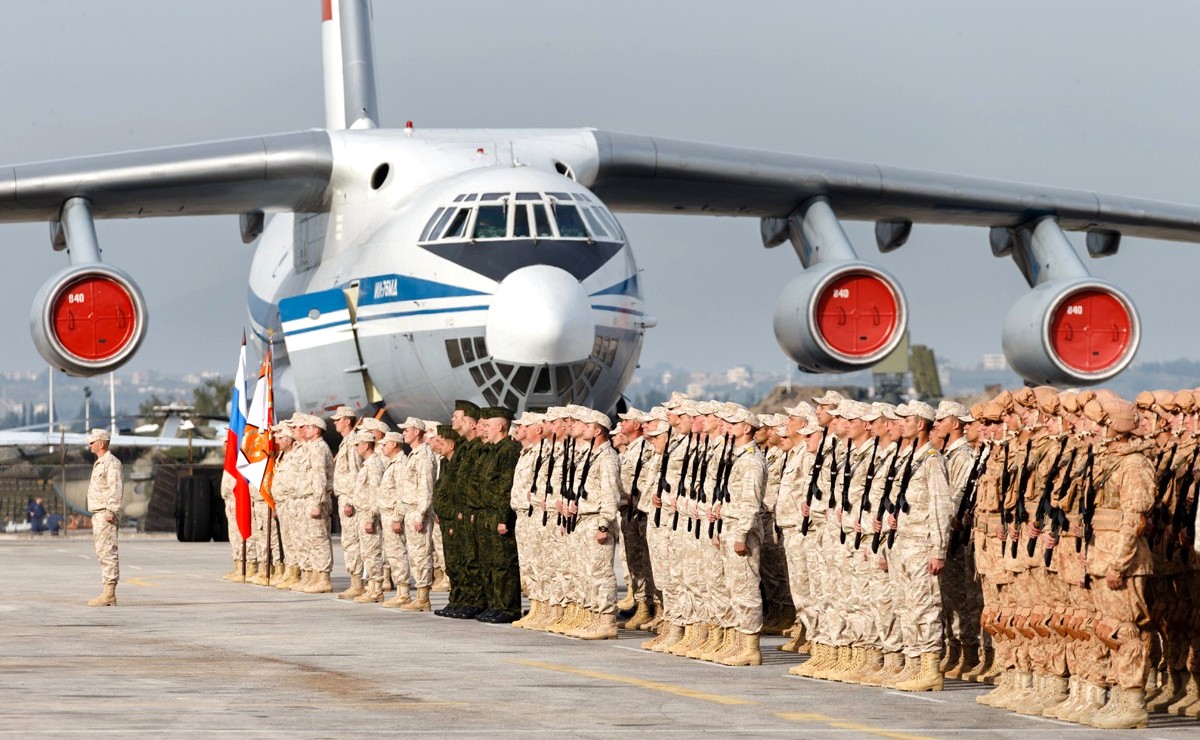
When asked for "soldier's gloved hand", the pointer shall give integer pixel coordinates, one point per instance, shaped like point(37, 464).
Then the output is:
point(348, 510)
point(396, 527)
point(501, 528)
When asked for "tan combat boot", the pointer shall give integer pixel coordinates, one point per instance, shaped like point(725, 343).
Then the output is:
point(640, 617)
point(399, 601)
point(320, 583)
point(1129, 712)
point(585, 625)
point(305, 580)
point(1050, 691)
point(1088, 704)
point(910, 670)
point(253, 576)
point(387, 585)
point(712, 640)
point(549, 617)
point(529, 616)
point(290, 577)
point(238, 574)
point(1189, 696)
point(928, 679)
point(565, 617)
point(602, 627)
point(373, 594)
point(817, 659)
point(1067, 704)
point(986, 660)
point(747, 652)
point(278, 572)
point(1170, 690)
point(1021, 690)
point(107, 597)
point(440, 582)
point(655, 623)
point(845, 654)
point(699, 633)
point(968, 661)
point(689, 633)
point(420, 604)
point(672, 634)
point(718, 644)
point(354, 590)
point(952, 657)
point(890, 664)
point(628, 602)
point(871, 664)
point(857, 656)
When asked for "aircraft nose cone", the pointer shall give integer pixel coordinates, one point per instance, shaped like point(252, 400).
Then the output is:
point(540, 315)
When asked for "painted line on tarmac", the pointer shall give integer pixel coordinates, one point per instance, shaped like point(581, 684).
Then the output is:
point(639, 682)
point(135, 581)
point(1047, 720)
point(910, 695)
point(845, 724)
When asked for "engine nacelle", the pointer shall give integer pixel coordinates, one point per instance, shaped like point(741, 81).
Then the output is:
point(1079, 331)
point(88, 319)
point(840, 316)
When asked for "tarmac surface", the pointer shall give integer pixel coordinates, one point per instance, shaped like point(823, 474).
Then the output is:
point(187, 654)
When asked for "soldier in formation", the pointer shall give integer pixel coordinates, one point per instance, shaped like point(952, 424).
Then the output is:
point(105, 498)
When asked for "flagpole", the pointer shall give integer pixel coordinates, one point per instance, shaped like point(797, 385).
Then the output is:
point(269, 549)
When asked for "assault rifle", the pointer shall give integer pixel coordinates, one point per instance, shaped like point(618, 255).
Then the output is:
point(1020, 514)
point(567, 481)
point(812, 479)
point(683, 470)
point(549, 477)
point(1045, 505)
point(537, 470)
point(865, 503)
point(901, 505)
point(847, 474)
point(885, 501)
point(581, 492)
point(833, 473)
point(1180, 523)
point(1159, 516)
point(959, 537)
point(1005, 482)
point(1087, 509)
point(634, 493)
point(663, 486)
point(701, 497)
point(1058, 517)
point(721, 490)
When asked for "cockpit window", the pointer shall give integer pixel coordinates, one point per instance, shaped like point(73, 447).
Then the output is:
point(491, 223)
point(522, 215)
point(570, 225)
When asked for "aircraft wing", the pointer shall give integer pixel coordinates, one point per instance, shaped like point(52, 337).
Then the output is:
point(264, 173)
point(78, 439)
point(645, 174)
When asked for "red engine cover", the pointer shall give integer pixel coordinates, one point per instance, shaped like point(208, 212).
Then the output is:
point(94, 317)
point(1090, 331)
point(857, 314)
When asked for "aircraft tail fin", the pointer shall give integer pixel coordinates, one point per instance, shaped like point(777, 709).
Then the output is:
point(349, 65)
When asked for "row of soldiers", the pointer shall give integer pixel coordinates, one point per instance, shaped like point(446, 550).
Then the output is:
point(1041, 541)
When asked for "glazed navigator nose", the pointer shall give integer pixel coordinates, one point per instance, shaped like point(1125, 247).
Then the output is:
point(540, 315)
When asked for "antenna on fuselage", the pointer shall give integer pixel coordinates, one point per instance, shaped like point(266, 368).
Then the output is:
point(349, 65)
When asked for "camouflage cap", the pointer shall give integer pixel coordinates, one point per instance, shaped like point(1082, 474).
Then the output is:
point(1165, 400)
point(1144, 400)
point(800, 409)
point(343, 412)
point(1025, 397)
point(396, 437)
point(655, 427)
point(917, 408)
point(1046, 399)
point(633, 415)
point(362, 435)
point(886, 410)
point(314, 421)
point(1185, 400)
point(946, 409)
point(371, 424)
point(830, 398)
point(675, 400)
point(811, 426)
point(528, 419)
point(413, 422)
point(283, 430)
point(1068, 401)
point(707, 408)
point(1122, 416)
point(431, 426)
point(469, 409)
point(99, 435)
point(600, 418)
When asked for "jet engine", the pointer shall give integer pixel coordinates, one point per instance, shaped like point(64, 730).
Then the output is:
point(88, 319)
point(1071, 332)
point(840, 316)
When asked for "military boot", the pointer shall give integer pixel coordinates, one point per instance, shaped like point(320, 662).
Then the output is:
point(968, 660)
point(952, 657)
point(565, 618)
point(628, 602)
point(986, 660)
point(550, 616)
point(1023, 691)
point(699, 633)
point(711, 641)
point(718, 641)
point(303, 582)
point(529, 616)
point(1128, 713)
point(1170, 690)
point(845, 667)
point(872, 663)
point(1067, 704)
point(256, 573)
point(817, 659)
point(747, 651)
point(388, 585)
point(401, 600)
point(372, 595)
point(107, 597)
point(1189, 696)
point(1004, 687)
point(654, 624)
point(441, 583)
point(603, 627)
point(1049, 691)
point(889, 664)
point(640, 617)
point(320, 583)
point(238, 574)
point(355, 589)
point(672, 634)
point(839, 664)
point(929, 678)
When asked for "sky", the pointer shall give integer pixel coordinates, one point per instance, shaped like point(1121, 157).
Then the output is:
point(1092, 95)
